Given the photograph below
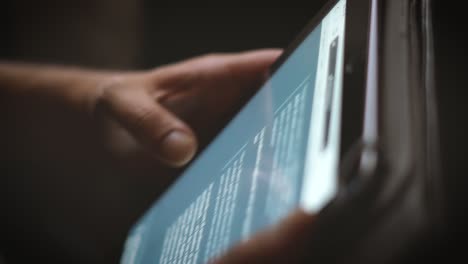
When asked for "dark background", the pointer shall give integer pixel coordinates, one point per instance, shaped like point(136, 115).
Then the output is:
point(452, 79)
point(130, 35)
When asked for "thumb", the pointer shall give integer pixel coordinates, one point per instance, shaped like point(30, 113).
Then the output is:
point(168, 138)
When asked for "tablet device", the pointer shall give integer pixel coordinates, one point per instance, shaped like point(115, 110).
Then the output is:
point(280, 152)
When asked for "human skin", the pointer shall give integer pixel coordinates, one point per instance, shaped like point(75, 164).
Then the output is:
point(166, 110)
point(286, 242)
point(150, 121)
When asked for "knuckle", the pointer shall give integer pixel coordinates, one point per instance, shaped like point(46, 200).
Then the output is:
point(142, 117)
point(105, 100)
point(151, 124)
point(107, 92)
point(113, 92)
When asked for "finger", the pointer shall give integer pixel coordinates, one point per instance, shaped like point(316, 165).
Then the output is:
point(157, 129)
point(249, 66)
point(239, 68)
point(220, 83)
point(285, 243)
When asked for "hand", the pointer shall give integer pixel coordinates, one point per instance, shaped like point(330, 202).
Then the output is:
point(88, 148)
point(170, 110)
point(286, 242)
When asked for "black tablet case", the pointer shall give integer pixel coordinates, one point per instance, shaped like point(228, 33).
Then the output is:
point(386, 214)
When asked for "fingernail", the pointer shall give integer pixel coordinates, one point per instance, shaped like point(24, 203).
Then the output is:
point(178, 148)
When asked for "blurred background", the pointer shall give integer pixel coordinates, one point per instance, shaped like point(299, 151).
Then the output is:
point(90, 227)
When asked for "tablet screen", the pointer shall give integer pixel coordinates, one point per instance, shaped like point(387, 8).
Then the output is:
point(280, 152)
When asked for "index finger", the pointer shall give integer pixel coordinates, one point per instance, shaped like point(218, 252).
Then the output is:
point(239, 68)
